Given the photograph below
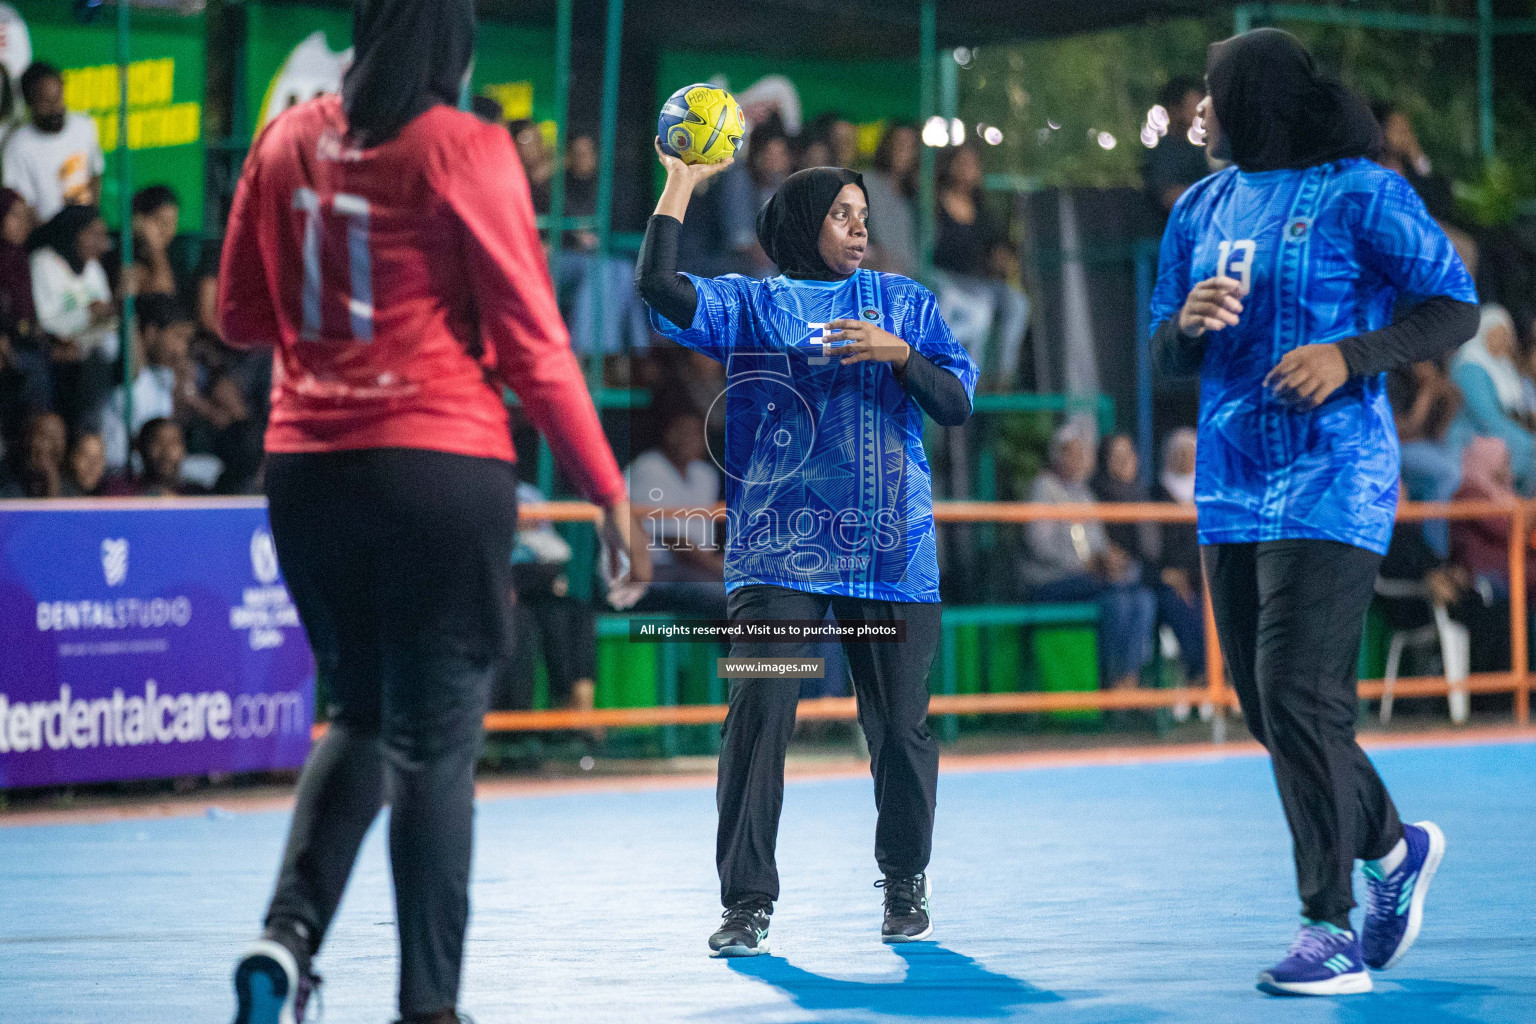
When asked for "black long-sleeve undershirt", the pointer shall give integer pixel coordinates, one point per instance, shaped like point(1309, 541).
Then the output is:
point(936, 391)
point(1432, 328)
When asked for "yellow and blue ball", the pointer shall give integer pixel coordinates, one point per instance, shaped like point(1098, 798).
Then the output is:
point(701, 124)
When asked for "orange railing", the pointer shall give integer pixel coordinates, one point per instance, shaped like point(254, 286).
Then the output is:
point(1216, 692)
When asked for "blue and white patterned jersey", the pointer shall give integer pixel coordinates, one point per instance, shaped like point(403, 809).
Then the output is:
point(1323, 253)
point(827, 485)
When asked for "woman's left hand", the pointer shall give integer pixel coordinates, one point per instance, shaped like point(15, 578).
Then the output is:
point(856, 341)
point(1309, 374)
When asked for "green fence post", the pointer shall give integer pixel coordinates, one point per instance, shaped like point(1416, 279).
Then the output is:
point(1485, 77)
point(610, 117)
point(125, 216)
point(927, 60)
point(949, 725)
point(562, 113)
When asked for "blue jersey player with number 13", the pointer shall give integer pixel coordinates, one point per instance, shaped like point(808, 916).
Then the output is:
point(1277, 281)
point(829, 370)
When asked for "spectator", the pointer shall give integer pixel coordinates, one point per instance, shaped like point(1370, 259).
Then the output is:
point(1424, 405)
point(39, 466)
point(581, 189)
point(564, 629)
point(55, 161)
point(538, 163)
point(1481, 546)
point(1077, 562)
point(1181, 580)
point(841, 139)
point(9, 108)
point(616, 319)
point(813, 151)
point(1402, 153)
point(1177, 161)
point(156, 218)
point(74, 306)
point(688, 565)
point(163, 380)
point(692, 380)
point(162, 449)
point(1494, 397)
point(86, 472)
point(769, 160)
point(1118, 480)
point(720, 234)
point(24, 377)
point(972, 262)
point(892, 188)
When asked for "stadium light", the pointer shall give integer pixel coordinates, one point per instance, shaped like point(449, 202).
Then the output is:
point(935, 132)
point(956, 132)
point(993, 135)
point(1107, 141)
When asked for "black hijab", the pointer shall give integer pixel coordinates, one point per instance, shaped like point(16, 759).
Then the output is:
point(62, 234)
point(1276, 111)
point(789, 224)
point(409, 56)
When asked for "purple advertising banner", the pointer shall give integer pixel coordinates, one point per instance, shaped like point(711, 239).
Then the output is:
point(146, 639)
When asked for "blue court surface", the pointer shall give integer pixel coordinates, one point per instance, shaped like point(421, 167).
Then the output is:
point(1120, 894)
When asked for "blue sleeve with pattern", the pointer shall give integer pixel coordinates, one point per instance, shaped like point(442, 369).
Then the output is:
point(1398, 239)
point(717, 321)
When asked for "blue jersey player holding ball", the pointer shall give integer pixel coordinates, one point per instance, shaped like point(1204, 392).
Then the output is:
point(1277, 283)
point(829, 372)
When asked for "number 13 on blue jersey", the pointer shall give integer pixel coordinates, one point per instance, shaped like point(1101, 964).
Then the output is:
point(1239, 269)
point(359, 301)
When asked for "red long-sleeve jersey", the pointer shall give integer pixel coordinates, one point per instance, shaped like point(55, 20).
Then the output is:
point(400, 285)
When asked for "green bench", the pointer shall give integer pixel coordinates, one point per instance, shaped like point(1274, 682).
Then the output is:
point(1058, 647)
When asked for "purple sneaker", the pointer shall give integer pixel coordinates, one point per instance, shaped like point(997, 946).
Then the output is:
point(1394, 904)
point(270, 986)
point(1323, 961)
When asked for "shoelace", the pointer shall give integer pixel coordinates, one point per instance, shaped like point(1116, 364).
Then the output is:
point(902, 895)
point(1382, 897)
point(743, 915)
point(1313, 942)
point(310, 997)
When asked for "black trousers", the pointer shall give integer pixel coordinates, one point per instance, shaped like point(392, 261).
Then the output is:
point(1290, 614)
point(398, 561)
point(891, 683)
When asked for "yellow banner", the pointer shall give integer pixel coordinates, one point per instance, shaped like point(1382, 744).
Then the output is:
point(176, 125)
point(150, 83)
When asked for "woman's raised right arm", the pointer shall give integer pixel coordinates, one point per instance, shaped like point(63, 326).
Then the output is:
point(660, 285)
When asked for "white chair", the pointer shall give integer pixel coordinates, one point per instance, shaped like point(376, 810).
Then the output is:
point(1455, 648)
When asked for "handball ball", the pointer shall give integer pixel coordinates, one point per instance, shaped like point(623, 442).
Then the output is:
point(700, 124)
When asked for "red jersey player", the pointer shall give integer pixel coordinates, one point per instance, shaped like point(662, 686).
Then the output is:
point(384, 244)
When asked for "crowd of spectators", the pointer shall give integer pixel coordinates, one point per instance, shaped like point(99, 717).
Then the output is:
point(72, 422)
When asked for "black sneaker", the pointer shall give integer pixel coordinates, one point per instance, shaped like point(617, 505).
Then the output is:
point(906, 908)
point(744, 932)
point(272, 983)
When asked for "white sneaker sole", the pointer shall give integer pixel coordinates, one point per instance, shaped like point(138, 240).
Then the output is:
point(1420, 891)
point(1348, 984)
point(266, 984)
point(734, 952)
